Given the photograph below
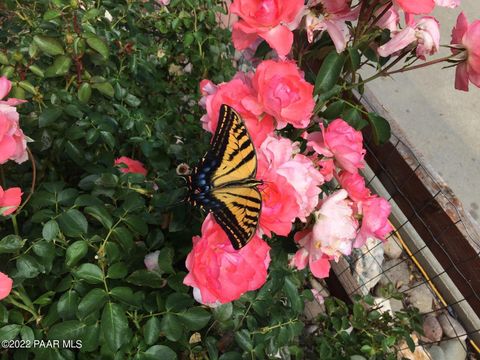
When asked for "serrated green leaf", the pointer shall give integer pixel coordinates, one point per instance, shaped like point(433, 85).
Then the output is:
point(48, 45)
point(195, 318)
point(60, 66)
point(73, 223)
point(9, 332)
point(10, 244)
point(114, 326)
point(171, 327)
point(329, 72)
point(50, 230)
point(49, 116)
point(151, 330)
point(67, 305)
point(91, 273)
point(75, 252)
point(147, 278)
point(98, 45)
point(100, 213)
point(92, 301)
point(380, 128)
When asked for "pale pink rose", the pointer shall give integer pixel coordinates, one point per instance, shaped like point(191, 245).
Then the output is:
point(219, 272)
point(13, 143)
point(128, 165)
point(151, 260)
point(389, 20)
point(448, 3)
point(327, 168)
point(5, 285)
point(425, 33)
point(239, 94)
point(333, 19)
point(375, 211)
point(354, 183)
point(281, 155)
point(310, 254)
point(416, 6)
point(340, 141)
point(272, 20)
point(10, 200)
point(335, 226)
point(284, 93)
point(466, 39)
point(306, 180)
point(163, 2)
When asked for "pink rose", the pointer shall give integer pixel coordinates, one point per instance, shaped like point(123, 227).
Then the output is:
point(327, 168)
point(284, 93)
point(354, 183)
point(151, 260)
point(425, 33)
point(239, 94)
point(335, 226)
point(342, 142)
point(5, 285)
point(416, 6)
point(310, 254)
point(466, 39)
point(13, 143)
point(130, 166)
point(10, 200)
point(334, 18)
point(448, 3)
point(375, 211)
point(272, 20)
point(278, 154)
point(219, 273)
point(389, 20)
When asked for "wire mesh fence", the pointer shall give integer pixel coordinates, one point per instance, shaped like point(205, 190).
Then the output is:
point(432, 257)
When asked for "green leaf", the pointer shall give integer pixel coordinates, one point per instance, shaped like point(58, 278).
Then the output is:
point(151, 330)
point(51, 14)
point(10, 244)
point(100, 213)
point(26, 334)
point(147, 278)
point(75, 252)
point(354, 118)
point(50, 230)
point(195, 318)
point(243, 339)
point(114, 326)
point(410, 343)
point(60, 66)
point(45, 299)
point(124, 294)
point(98, 45)
point(137, 224)
point(48, 45)
point(380, 128)
point(165, 260)
point(293, 295)
point(223, 312)
point(91, 338)
point(171, 327)
point(28, 267)
point(105, 88)
point(27, 86)
point(67, 305)
point(9, 332)
point(37, 70)
point(73, 223)
point(178, 302)
point(329, 72)
point(84, 93)
point(334, 110)
point(117, 271)
point(49, 116)
point(67, 330)
point(354, 58)
point(91, 273)
point(158, 352)
point(93, 300)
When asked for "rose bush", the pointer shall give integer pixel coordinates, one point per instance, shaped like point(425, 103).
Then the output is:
point(99, 106)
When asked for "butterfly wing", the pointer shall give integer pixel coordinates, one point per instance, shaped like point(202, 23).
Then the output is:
point(239, 213)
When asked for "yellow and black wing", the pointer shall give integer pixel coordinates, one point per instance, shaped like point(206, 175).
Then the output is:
point(239, 213)
point(224, 182)
point(233, 146)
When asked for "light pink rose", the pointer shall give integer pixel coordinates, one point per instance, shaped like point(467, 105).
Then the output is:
point(354, 183)
point(466, 39)
point(163, 2)
point(333, 19)
point(128, 165)
point(389, 20)
point(5, 285)
point(327, 168)
point(282, 156)
point(415, 6)
point(375, 211)
point(239, 94)
point(283, 92)
point(310, 254)
point(10, 200)
point(272, 20)
point(340, 141)
point(151, 260)
point(219, 273)
point(335, 226)
point(425, 33)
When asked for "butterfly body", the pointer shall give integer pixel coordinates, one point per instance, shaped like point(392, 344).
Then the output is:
point(224, 182)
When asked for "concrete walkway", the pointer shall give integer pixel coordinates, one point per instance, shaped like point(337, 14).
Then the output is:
point(441, 122)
